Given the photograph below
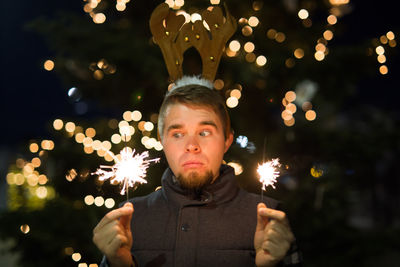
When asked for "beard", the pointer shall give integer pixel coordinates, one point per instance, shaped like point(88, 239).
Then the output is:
point(194, 183)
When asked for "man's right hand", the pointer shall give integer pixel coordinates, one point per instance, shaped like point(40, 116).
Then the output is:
point(113, 236)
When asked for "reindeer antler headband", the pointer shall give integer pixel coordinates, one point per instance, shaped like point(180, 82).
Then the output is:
point(174, 37)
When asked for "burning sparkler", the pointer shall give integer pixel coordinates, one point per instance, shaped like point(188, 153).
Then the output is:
point(129, 169)
point(268, 173)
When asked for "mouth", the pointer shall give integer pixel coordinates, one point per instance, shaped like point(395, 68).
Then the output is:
point(192, 164)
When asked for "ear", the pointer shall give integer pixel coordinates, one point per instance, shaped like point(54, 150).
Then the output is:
point(228, 141)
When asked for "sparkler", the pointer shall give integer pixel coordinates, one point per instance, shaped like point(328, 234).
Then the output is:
point(268, 173)
point(129, 169)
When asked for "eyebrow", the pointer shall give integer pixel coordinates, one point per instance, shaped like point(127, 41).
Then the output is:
point(180, 126)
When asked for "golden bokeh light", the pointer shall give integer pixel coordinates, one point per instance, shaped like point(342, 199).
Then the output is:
point(90, 132)
point(34, 147)
point(98, 74)
point(236, 93)
point(280, 37)
point(328, 35)
point(261, 60)
point(71, 175)
point(250, 57)
point(298, 53)
point(79, 137)
point(383, 39)
point(315, 172)
point(96, 145)
point(320, 47)
point(271, 33)
point(41, 192)
point(286, 115)
point(88, 150)
point(76, 256)
point(290, 96)
point(127, 115)
point(36, 162)
point(307, 23)
point(20, 163)
point(253, 21)
point(232, 102)
point(10, 178)
point(291, 107)
point(87, 141)
point(289, 122)
point(310, 115)
point(89, 200)
point(319, 55)
point(109, 203)
point(247, 30)
point(214, 2)
point(120, 6)
point(303, 13)
point(99, 201)
point(383, 70)
point(392, 43)
point(116, 138)
point(99, 18)
point(48, 65)
point(58, 124)
point(290, 62)
point(25, 228)
point(219, 84)
point(339, 2)
point(234, 45)
point(42, 179)
point(331, 19)
point(380, 50)
point(390, 35)
point(136, 115)
point(47, 144)
point(381, 59)
point(249, 47)
point(106, 145)
point(123, 124)
point(113, 124)
point(148, 126)
point(70, 127)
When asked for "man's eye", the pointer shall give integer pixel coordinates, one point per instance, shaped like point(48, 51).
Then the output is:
point(177, 135)
point(205, 133)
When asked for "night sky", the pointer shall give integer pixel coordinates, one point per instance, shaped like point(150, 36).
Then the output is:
point(32, 97)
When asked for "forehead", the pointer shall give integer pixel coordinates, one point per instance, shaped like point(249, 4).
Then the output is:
point(189, 114)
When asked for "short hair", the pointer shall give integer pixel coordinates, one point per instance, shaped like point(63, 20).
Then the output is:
point(197, 96)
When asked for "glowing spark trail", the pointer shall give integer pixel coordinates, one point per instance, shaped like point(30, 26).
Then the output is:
point(268, 173)
point(129, 170)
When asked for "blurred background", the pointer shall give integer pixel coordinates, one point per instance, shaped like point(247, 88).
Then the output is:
point(312, 82)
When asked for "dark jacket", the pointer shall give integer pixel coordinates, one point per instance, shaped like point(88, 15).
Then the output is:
point(216, 228)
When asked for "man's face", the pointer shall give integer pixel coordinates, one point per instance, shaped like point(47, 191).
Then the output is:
point(194, 144)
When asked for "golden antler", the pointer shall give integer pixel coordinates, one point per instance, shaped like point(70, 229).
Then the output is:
point(174, 39)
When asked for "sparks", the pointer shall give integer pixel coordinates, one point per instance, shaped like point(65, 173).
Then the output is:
point(268, 173)
point(129, 169)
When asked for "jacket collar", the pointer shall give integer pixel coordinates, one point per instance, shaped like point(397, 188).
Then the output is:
point(222, 190)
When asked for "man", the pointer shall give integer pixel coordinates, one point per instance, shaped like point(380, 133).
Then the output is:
point(200, 217)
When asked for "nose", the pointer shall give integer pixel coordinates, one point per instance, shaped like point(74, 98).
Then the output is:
point(192, 146)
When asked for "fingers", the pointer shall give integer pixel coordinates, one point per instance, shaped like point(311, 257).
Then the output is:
point(125, 220)
point(278, 232)
point(114, 230)
point(261, 220)
point(125, 210)
point(271, 213)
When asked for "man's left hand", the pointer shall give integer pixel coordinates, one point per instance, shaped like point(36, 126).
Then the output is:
point(273, 236)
